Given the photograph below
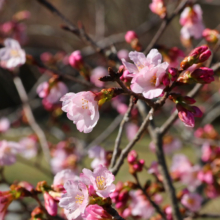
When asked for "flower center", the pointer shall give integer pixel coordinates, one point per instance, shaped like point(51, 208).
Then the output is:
point(153, 79)
point(14, 53)
point(191, 201)
point(85, 104)
point(100, 182)
point(79, 199)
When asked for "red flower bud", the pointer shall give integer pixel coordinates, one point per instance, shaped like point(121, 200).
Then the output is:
point(203, 75)
point(130, 36)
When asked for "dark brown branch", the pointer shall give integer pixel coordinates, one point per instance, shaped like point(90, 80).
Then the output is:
point(114, 213)
point(118, 139)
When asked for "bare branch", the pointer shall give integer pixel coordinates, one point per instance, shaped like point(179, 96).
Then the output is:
point(118, 139)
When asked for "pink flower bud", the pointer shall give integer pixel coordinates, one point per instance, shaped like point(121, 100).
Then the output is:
point(130, 36)
point(123, 195)
point(166, 80)
point(185, 116)
point(91, 190)
point(198, 55)
point(118, 205)
point(203, 75)
point(158, 7)
point(211, 36)
point(96, 212)
point(132, 156)
point(173, 71)
point(188, 100)
point(50, 204)
point(76, 59)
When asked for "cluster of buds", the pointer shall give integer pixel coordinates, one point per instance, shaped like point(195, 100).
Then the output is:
point(186, 112)
point(202, 75)
point(135, 165)
point(132, 38)
point(198, 55)
point(211, 36)
point(77, 62)
point(207, 132)
point(121, 194)
point(158, 7)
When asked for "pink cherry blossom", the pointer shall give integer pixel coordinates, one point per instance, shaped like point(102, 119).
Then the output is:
point(148, 73)
point(130, 36)
point(99, 155)
point(82, 109)
point(52, 93)
point(140, 206)
point(158, 7)
point(28, 147)
point(207, 152)
point(57, 162)
point(97, 73)
point(12, 55)
point(96, 212)
point(192, 201)
point(75, 199)
point(4, 124)
point(191, 20)
point(123, 54)
point(8, 151)
point(101, 179)
point(50, 204)
point(206, 176)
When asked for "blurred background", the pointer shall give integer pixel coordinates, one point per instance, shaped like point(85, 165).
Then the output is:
point(106, 22)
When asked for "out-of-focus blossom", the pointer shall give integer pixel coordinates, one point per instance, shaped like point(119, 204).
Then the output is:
point(135, 165)
point(75, 199)
point(82, 109)
point(131, 130)
point(123, 54)
point(168, 212)
point(4, 124)
point(1, 3)
point(211, 36)
point(97, 73)
point(61, 177)
point(52, 92)
point(191, 20)
point(96, 212)
point(12, 55)
point(140, 206)
point(21, 15)
point(207, 152)
point(154, 169)
point(101, 179)
point(158, 7)
point(206, 176)
point(28, 147)
point(192, 201)
point(8, 151)
point(119, 105)
point(99, 154)
point(148, 73)
point(50, 204)
point(170, 144)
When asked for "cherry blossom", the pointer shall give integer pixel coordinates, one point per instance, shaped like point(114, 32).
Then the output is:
point(148, 73)
point(82, 109)
point(28, 147)
point(97, 73)
point(4, 124)
point(101, 179)
point(12, 55)
point(75, 199)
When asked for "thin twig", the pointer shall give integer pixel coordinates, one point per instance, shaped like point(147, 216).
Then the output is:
point(121, 128)
point(164, 25)
point(126, 150)
point(30, 117)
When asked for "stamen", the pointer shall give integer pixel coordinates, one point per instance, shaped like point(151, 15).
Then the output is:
point(79, 199)
point(100, 181)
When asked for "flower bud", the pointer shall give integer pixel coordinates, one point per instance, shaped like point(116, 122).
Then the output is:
point(211, 36)
point(132, 157)
point(174, 73)
point(158, 7)
point(130, 36)
point(50, 204)
point(203, 75)
point(198, 55)
point(185, 116)
point(76, 59)
point(166, 80)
